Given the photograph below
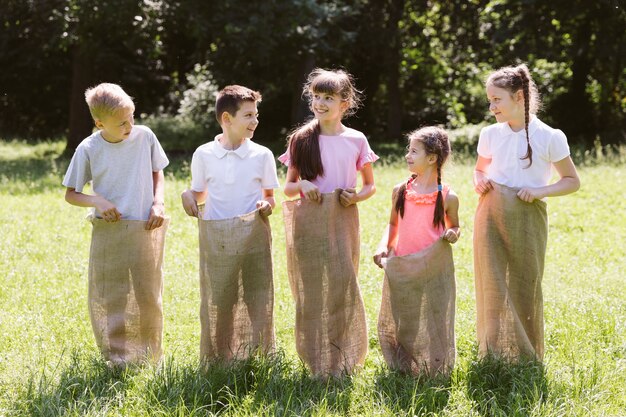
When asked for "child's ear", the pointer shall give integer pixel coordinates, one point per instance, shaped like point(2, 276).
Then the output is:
point(98, 123)
point(519, 96)
point(226, 118)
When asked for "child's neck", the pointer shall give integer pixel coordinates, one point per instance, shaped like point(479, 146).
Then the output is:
point(517, 123)
point(331, 127)
point(425, 183)
point(229, 143)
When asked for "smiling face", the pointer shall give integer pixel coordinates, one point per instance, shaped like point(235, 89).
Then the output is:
point(243, 124)
point(327, 106)
point(416, 157)
point(506, 107)
point(116, 127)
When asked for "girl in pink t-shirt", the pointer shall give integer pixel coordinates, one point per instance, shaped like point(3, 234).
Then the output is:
point(423, 209)
point(324, 156)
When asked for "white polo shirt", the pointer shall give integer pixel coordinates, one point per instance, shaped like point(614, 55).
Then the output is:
point(235, 180)
point(505, 147)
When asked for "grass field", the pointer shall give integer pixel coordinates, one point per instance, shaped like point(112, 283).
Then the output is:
point(49, 364)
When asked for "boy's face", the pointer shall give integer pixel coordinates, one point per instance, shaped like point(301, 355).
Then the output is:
point(117, 127)
point(243, 123)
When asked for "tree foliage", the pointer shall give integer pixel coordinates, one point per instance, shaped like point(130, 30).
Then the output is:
point(417, 61)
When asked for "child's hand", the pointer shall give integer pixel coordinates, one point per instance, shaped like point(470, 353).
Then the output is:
point(530, 194)
point(157, 216)
point(265, 208)
point(381, 254)
point(189, 203)
point(108, 210)
point(483, 186)
point(450, 235)
point(348, 197)
point(310, 191)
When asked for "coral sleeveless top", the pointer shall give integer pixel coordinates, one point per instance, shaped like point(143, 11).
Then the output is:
point(415, 228)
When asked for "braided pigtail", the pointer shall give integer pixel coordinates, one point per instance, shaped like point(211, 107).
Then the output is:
point(400, 197)
point(440, 212)
point(526, 91)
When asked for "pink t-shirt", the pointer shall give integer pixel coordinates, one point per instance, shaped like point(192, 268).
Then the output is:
point(343, 156)
point(415, 229)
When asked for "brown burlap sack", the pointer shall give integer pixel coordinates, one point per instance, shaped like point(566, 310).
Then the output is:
point(125, 289)
point(416, 320)
point(509, 250)
point(323, 260)
point(236, 287)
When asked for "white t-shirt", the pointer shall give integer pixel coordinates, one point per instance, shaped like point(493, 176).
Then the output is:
point(505, 148)
point(235, 180)
point(120, 172)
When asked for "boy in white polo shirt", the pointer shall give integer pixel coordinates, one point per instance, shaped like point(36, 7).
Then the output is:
point(234, 177)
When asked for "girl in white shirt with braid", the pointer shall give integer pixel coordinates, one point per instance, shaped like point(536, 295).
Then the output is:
point(512, 176)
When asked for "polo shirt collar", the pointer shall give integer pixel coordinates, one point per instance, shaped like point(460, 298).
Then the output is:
point(221, 152)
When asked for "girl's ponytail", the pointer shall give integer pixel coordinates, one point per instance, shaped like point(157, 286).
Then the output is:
point(304, 150)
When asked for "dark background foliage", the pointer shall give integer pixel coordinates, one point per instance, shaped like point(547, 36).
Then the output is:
point(417, 62)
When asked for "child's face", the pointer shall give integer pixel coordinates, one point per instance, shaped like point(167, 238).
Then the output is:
point(117, 127)
point(243, 124)
point(506, 107)
point(327, 107)
point(416, 157)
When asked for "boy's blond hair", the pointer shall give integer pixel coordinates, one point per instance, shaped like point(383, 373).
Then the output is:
point(107, 99)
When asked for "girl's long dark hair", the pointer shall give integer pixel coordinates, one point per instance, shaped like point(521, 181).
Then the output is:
point(304, 147)
point(304, 151)
point(435, 142)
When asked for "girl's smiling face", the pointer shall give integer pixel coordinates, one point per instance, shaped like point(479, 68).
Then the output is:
point(506, 107)
point(416, 157)
point(327, 106)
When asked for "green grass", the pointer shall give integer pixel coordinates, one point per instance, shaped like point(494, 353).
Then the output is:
point(49, 364)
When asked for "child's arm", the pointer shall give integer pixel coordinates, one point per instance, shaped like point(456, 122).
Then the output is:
point(190, 200)
point(106, 208)
point(567, 184)
point(294, 186)
point(350, 196)
point(453, 231)
point(157, 211)
point(266, 205)
point(390, 235)
point(482, 184)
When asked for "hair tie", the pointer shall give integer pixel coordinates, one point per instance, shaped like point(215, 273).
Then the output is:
point(439, 187)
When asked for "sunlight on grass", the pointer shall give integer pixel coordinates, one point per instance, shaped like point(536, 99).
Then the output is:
point(49, 364)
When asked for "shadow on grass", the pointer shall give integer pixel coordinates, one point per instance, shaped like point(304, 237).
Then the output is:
point(257, 386)
point(86, 384)
point(405, 394)
point(500, 388)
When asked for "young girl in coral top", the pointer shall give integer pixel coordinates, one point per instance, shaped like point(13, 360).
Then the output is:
point(324, 158)
point(416, 322)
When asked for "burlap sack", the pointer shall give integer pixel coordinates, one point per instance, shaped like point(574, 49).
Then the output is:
point(125, 289)
point(416, 320)
point(236, 287)
point(323, 260)
point(509, 250)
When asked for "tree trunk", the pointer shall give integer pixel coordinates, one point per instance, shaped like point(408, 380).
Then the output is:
point(394, 115)
point(300, 110)
point(80, 121)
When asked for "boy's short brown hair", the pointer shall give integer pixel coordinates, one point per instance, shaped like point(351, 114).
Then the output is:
point(107, 99)
point(230, 99)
